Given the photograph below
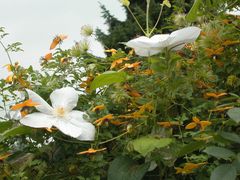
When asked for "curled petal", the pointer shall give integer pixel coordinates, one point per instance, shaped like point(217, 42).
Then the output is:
point(42, 106)
point(178, 38)
point(38, 120)
point(66, 98)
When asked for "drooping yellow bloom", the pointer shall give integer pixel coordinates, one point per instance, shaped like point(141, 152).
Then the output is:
point(48, 57)
point(113, 51)
point(221, 109)
point(5, 156)
point(133, 65)
point(27, 103)
point(215, 95)
point(168, 124)
point(118, 62)
point(98, 108)
point(103, 119)
point(196, 122)
point(9, 79)
point(229, 42)
point(91, 151)
point(214, 52)
point(188, 168)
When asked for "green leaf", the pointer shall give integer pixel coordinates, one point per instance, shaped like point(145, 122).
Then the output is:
point(5, 125)
point(191, 147)
point(224, 171)
point(231, 136)
point(192, 14)
point(219, 152)
point(123, 167)
point(108, 78)
point(147, 144)
point(20, 130)
point(234, 114)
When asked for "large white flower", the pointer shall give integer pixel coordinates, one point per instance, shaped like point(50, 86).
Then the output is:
point(60, 115)
point(145, 46)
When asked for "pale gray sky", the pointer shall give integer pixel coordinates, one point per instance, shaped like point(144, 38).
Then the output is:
point(35, 22)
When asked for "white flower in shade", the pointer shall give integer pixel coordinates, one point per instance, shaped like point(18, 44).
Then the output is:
point(145, 46)
point(61, 115)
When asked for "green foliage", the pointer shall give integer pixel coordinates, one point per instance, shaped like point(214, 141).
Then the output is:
point(107, 78)
point(145, 145)
point(225, 171)
point(173, 116)
point(127, 169)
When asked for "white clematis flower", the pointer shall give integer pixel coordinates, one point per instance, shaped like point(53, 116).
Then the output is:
point(60, 115)
point(145, 46)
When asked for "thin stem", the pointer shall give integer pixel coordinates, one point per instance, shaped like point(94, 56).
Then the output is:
point(136, 20)
point(109, 140)
point(147, 18)
point(159, 16)
point(5, 49)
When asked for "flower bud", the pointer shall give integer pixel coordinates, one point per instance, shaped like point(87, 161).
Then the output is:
point(125, 2)
point(86, 30)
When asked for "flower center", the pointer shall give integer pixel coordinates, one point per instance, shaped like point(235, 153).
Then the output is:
point(60, 112)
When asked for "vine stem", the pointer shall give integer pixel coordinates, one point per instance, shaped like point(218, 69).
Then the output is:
point(158, 19)
point(147, 18)
point(5, 49)
point(136, 21)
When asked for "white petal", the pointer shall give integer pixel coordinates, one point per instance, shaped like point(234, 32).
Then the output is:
point(140, 42)
point(66, 98)
point(43, 106)
point(182, 36)
point(160, 40)
point(88, 130)
point(145, 52)
point(38, 120)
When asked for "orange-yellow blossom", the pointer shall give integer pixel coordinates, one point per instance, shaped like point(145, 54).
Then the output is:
point(27, 103)
point(214, 52)
point(10, 78)
point(48, 57)
point(215, 95)
point(98, 108)
point(197, 121)
point(229, 42)
point(91, 151)
point(168, 124)
point(113, 51)
point(133, 65)
point(221, 109)
point(5, 156)
point(188, 168)
point(103, 119)
point(58, 39)
point(118, 62)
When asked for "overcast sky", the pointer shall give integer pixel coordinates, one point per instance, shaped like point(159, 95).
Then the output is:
point(35, 22)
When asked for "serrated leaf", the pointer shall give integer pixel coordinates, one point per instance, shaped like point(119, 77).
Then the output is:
point(192, 14)
point(191, 147)
point(231, 136)
point(123, 167)
point(225, 171)
point(147, 144)
point(234, 114)
point(108, 78)
point(219, 152)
